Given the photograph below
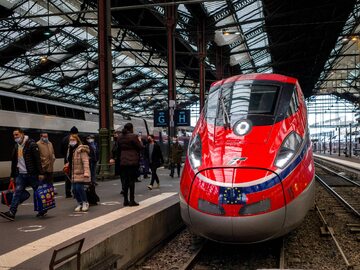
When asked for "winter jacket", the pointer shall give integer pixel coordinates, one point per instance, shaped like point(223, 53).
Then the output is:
point(80, 164)
point(47, 156)
point(130, 148)
point(176, 151)
point(156, 157)
point(31, 156)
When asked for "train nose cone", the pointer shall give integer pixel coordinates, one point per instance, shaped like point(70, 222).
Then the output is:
point(233, 210)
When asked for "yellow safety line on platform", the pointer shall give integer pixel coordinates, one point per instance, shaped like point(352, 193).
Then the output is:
point(28, 251)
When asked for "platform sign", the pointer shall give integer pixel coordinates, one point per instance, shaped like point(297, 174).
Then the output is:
point(161, 118)
point(182, 118)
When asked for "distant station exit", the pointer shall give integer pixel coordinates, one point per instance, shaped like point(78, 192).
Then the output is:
point(181, 118)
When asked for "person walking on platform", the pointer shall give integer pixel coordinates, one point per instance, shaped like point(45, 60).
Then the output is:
point(176, 151)
point(115, 158)
point(26, 170)
point(130, 146)
point(47, 157)
point(154, 156)
point(94, 156)
point(79, 170)
point(64, 150)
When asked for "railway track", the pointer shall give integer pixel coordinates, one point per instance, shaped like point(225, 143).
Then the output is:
point(342, 188)
point(335, 218)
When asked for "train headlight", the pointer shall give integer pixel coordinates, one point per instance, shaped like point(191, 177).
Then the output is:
point(210, 208)
point(195, 152)
point(288, 149)
point(242, 127)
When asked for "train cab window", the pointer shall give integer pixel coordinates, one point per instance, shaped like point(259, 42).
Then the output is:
point(211, 106)
point(20, 105)
point(7, 103)
point(51, 109)
point(42, 108)
point(32, 107)
point(253, 99)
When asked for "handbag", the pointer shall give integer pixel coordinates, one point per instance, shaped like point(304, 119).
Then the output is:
point(44, 197)
point(7, 196)
point(66, 169)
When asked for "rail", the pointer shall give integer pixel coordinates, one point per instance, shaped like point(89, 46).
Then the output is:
point(337, 196)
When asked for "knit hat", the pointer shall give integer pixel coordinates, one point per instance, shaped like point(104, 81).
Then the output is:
point(74, 130)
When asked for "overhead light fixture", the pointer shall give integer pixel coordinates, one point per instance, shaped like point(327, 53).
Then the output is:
point(47, 33)
point(227, 32)
point(43, 59)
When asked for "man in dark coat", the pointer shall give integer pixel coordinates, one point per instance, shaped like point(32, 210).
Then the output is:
point(26, 170)
point(154, 156)
point(130, 146)
point(176, 151)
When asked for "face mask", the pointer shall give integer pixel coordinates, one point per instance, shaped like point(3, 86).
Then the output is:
point(45, 140)
point(18, 140)
point(90, 140)
point(72, 143)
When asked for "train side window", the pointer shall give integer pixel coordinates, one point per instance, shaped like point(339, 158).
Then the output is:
point(32, 107)
point(20, 105)
point(79, 114)
point(69, 112)
point(42, 108)
point(7, 104)
point(60, 111)
point(297, 103)
point(293, 106)
point(51, 109)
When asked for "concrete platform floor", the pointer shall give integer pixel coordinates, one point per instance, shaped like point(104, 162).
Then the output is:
point(23, 240)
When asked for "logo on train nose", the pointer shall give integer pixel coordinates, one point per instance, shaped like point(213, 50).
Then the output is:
point(236, 160)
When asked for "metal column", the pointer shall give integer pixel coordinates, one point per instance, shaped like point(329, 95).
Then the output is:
point(350, 146)
point(219, 63)
point(105, 84)
point(170, 27)
point(202, 56)
point(339, 143)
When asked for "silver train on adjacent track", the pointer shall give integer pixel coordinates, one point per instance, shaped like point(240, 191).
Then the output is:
point(36, 114)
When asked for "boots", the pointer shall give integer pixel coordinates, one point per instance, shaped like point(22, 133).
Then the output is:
point(133, 203)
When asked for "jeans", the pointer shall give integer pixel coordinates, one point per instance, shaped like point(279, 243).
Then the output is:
point(154, 176)
point(21, 182)
point(79, 192)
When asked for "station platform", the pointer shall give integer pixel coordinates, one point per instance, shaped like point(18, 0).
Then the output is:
point(352, 163)
point(29, 242)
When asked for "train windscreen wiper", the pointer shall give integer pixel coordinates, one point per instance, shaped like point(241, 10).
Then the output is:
point(225, 114)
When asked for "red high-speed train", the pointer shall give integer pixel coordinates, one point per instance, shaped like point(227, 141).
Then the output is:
point(249, 171)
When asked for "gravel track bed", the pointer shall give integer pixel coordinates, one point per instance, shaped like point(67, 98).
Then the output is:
point(306, 248)
point(175, 253)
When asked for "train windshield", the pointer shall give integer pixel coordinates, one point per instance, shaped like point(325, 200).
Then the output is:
point(230, 102)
